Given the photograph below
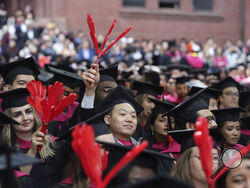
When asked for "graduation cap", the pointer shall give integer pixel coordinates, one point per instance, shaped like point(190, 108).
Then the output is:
point(244, 99)
point(144, 88)
point(109, 74)
point(5, 119)
point(122, 149)
point(246, 120)
point(146, 159)
point(125, 76)
point(182, 79)
point(178, 66)
point(187, 110)
point(69, 79)
point(27, 66)
point(14, 98)
point(161, 106)
point(159, 182)
point(196, 72)
point(16, 158)
point(207, 94)
point(119, 95)
point(228, 82)
point(227, 114)
point(185, 137)
point(45, 76)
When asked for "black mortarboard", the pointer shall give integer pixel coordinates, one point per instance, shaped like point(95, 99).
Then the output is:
point(27, 66)
point(228, 82)
point(244, 99)
point(144, 88)
point(161, 106)
point(159, 182)
point(122, 149)
point(109, 74)
point(146, 159)
point(5, 119)
point(198, 71)
point(126, 74)
point(207, 94)
point(185, 137)
point(44, 76)
point(227, 114)
point(246, 121)
point(14, 98)
point(178, 66)
point(182, 80)
point(69, 79)
point(187, 110)
point(119, 95)
point(16, 158)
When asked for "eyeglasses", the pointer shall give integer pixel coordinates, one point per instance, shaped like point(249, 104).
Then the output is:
point(215, 158)
point(230, 93)
point(210, 119)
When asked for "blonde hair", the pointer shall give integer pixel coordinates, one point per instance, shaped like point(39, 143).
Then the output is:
point(181, 170)
point(46, 150)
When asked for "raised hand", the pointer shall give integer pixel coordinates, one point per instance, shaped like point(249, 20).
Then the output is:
point(91, 77)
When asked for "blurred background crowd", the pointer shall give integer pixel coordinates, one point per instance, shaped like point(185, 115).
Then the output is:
point(21, 38)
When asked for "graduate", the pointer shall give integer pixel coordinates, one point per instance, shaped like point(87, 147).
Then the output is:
point(119, 111)
point(27, 135)
point(107, 83)
point(182, 88)
point(211, 96)
point(188, 167)
point(157, 128)
point(236, 177)
point(144, 92)
point(19, 73)
point(230, 93)
point(228, 121)
point(186, 113)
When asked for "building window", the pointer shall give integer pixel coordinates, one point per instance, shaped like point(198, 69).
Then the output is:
point(203, 5)
point(169, 4)
point(134, 3)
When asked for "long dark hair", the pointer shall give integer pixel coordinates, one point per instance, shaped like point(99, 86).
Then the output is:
point(151, 120)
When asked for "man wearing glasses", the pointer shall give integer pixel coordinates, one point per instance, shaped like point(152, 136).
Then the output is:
point(230, 93)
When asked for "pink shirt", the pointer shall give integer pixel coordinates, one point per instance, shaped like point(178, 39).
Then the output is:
point(171, 98)
point(125, 142)
point(220, 62)
point(196, 62)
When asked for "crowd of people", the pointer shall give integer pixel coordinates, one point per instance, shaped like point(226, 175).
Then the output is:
point(141, 90)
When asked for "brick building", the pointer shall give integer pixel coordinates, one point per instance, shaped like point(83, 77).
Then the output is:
point(150, 19)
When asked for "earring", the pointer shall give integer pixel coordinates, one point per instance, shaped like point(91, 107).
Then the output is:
point(153, 132)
